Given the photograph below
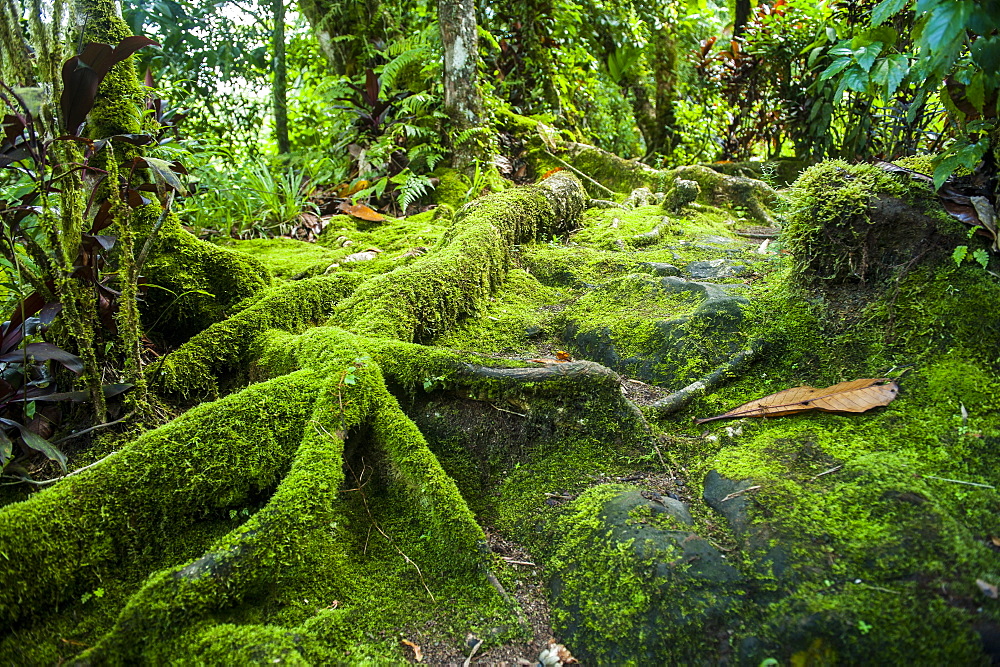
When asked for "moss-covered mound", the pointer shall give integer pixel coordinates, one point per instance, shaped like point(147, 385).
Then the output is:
point(384, 434)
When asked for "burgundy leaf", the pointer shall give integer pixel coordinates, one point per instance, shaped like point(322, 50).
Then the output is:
point(46, 352)
point(80, 84)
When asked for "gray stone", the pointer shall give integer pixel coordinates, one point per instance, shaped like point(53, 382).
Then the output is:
point(661, 269)
point(714, 269)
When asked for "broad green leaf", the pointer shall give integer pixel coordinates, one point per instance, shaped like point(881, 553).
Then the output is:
point(856, 79)
point(981, 22)
point(836, 67)
point(883, 33)
point(986, 53)
point(945, 22)
point(959, 254)
point(887, 8)
point(899, 67)
point(959, 154)
point(974, 92)
point(866, 56)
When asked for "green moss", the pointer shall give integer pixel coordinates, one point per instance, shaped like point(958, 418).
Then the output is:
point(452, 187)
point(288, 258)
point(193, 283)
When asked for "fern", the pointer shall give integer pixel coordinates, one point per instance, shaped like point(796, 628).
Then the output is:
point(413, 188)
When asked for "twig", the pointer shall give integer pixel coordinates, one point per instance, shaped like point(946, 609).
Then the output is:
point(468, 661)
point(559, 496)
point(579, 173)
point(88, 430)
point(958, 481)
point(637, 382)
point(519, 562)
point(509, 411)
point(721, 548)
point(739, 493)
point(879, 588)
point(732, 368)
point(827, 472)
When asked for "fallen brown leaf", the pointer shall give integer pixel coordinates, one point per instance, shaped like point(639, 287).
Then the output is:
point(995, 541)
point(417, 653)
point(854, 396)
point(361, 211)
point(563, 355)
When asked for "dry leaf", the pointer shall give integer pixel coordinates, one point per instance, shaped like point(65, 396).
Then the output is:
point(988, 589)
point(853, 396)
point(995, 540)
point(346, 190)
point(361, 211)
point(550, 172)
point(563, 355)
point(417, 653)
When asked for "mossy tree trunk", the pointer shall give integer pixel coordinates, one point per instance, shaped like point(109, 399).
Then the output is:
point(342, 28)
point(319, 440)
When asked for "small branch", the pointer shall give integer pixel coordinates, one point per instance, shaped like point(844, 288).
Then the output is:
point(734, 494)
point(879, 588)
point(519, 562)
point(319, 429)
point(88, 430)
point(558, 496)
point(679, 400)
point(468, 661)
point(579, 173)
point(508, 411)
point(826, 472)
point(959, 481)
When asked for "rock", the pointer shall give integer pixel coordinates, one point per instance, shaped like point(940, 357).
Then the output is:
point(639, 197)
point(367, 255)
point(719, 494)
point(654, 579)
point(714, 269)
point(661, 269)
point(681, 194)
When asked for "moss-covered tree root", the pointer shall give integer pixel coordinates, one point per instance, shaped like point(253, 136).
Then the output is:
point(209, 536)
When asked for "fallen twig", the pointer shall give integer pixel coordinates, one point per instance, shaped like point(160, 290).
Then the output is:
point(508, 411)
point(826, 472)
point(579, 173)
point(519, 562)
point(468, 661)
point(959, 481)
point(734, 494)
point(678, 400)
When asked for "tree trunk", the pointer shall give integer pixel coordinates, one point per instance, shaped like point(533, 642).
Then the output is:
point(741, 17)
point(462, 102)
point(278, 88)
point(343, 29)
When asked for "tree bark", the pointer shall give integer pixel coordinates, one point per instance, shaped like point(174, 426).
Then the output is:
point(279, 85)
point(342, 28)
point(741, 17)
point(462, 102)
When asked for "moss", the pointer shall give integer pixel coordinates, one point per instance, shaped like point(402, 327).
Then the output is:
point(193, 283)
point(288, 258)
point(452, 187)
point(829, 230)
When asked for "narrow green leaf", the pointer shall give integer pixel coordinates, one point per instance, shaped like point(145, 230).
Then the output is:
point(887, 8)
point(40, 444)
point(836, 67)
point(6, 449)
